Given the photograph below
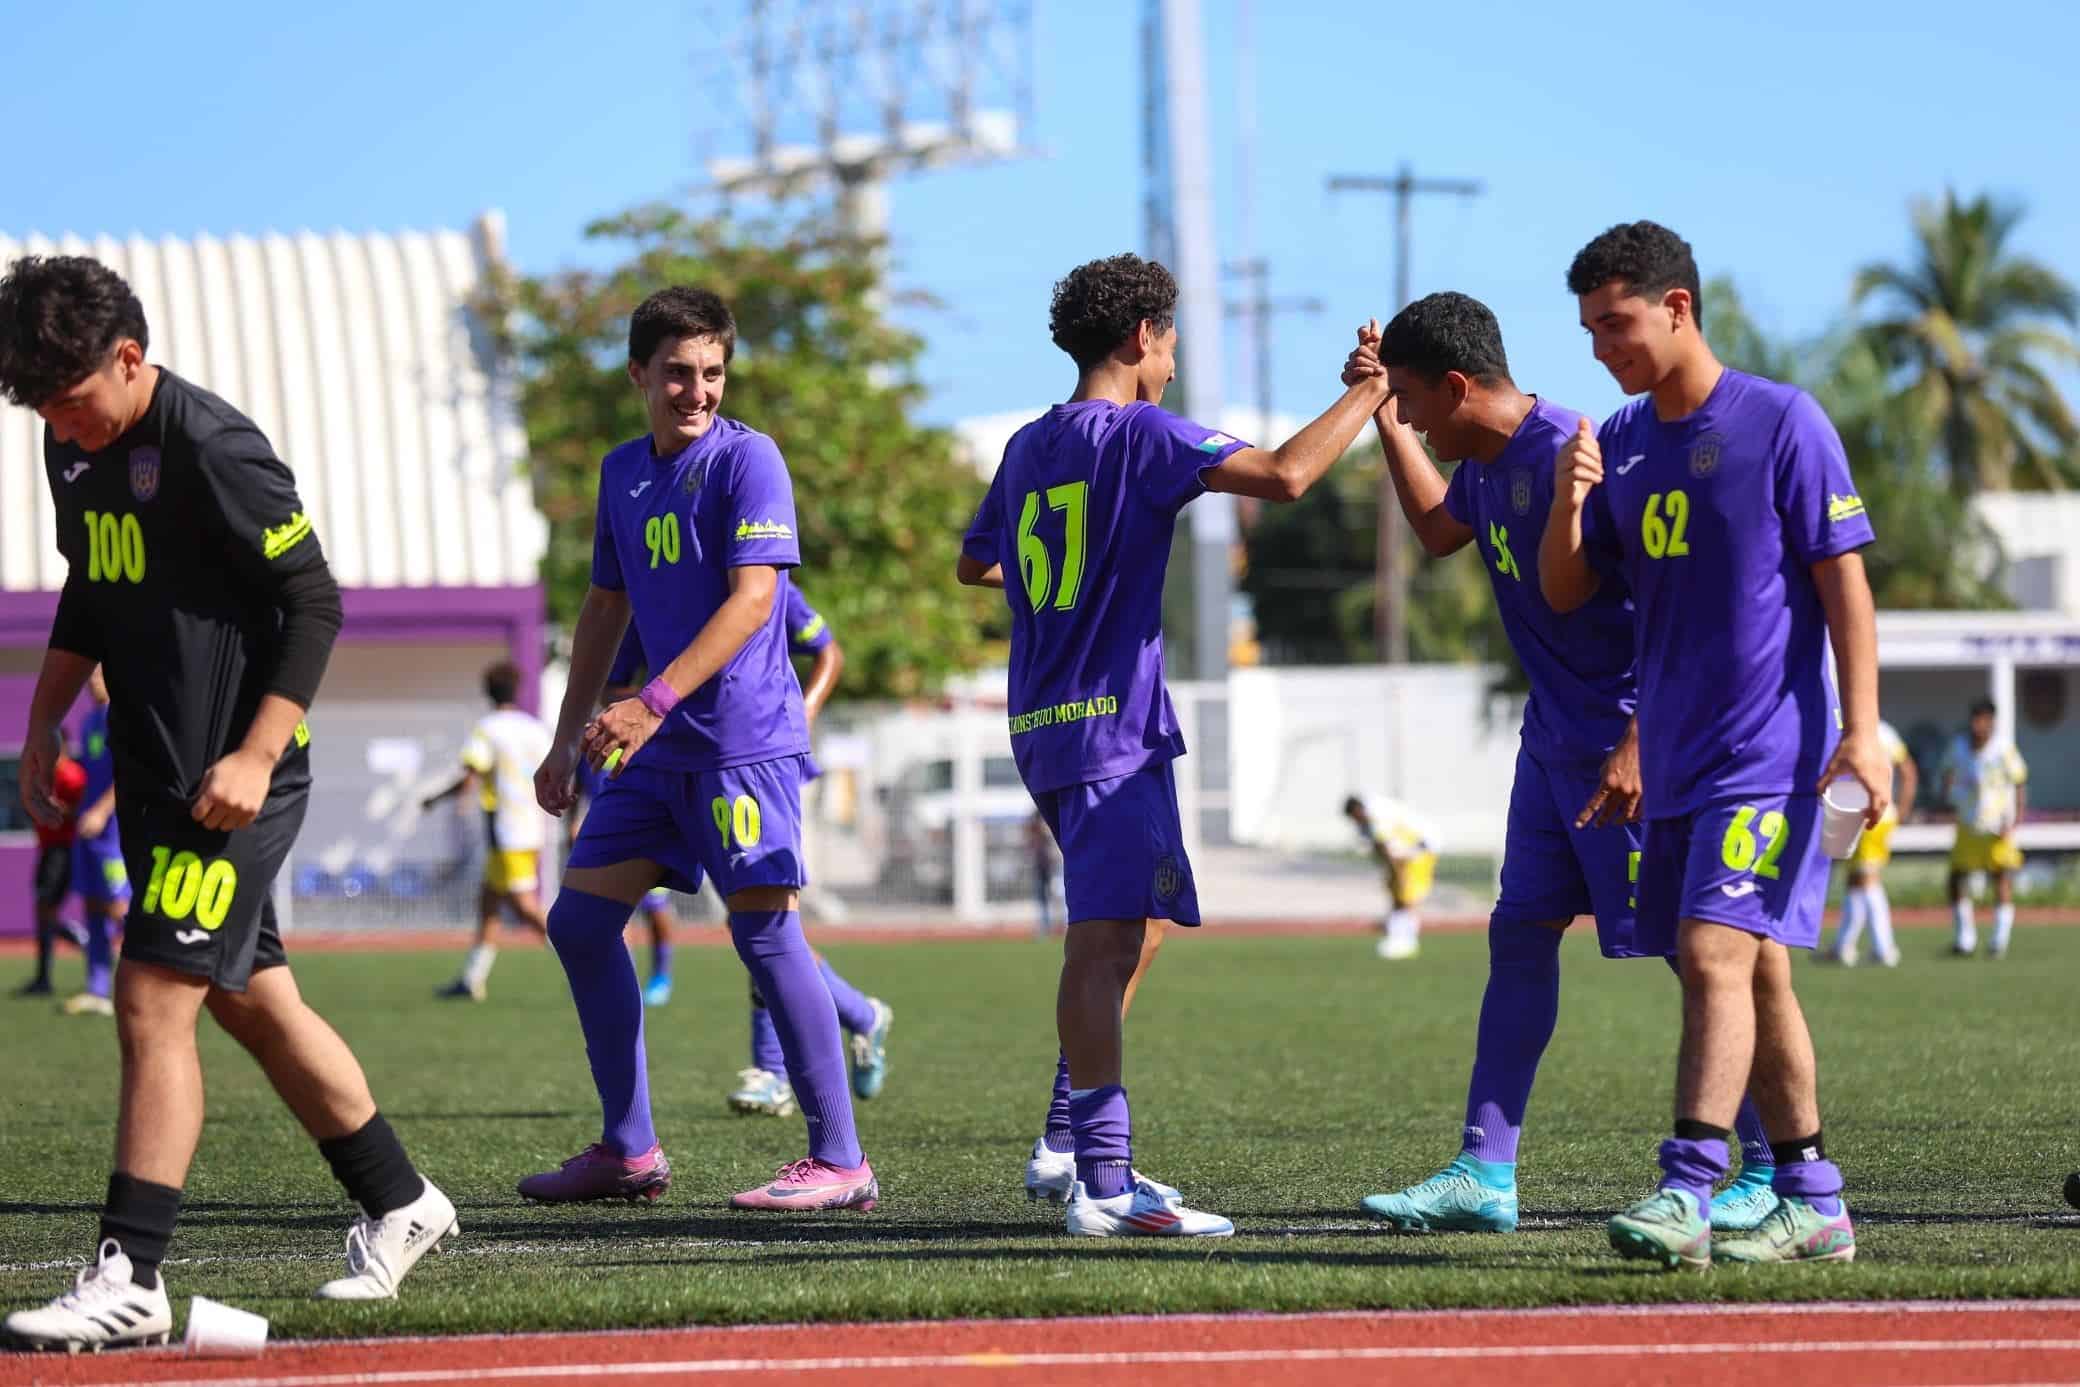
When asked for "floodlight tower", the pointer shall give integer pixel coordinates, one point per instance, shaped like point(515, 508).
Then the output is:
point(840, 95)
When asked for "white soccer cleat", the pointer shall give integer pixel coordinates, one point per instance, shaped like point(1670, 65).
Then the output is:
point(104, 1309)
point(1050, 1173)
point(1142, 1212)
point(381, 1250)
point(1394, 950)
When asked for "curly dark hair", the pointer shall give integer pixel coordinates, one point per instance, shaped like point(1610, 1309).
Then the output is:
point(1446, 332)
point(1098, 305)
point(1649, 257)
point(61, 317)
point(680, 311)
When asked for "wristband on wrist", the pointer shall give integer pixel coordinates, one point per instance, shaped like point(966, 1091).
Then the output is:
point(659, 697)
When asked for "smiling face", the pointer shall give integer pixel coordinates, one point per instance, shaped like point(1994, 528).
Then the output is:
point(1640, 341)
point(1158, 364)
point(1431, 408)
point(93, 412)
point(681, 385)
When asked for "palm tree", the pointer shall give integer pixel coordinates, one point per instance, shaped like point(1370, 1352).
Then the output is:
point(1972, 329)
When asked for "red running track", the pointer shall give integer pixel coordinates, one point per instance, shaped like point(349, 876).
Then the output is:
point(1837, 1345)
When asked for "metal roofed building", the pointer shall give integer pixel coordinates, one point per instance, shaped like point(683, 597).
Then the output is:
point(362, 360)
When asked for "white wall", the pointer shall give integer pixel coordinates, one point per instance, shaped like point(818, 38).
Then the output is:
point(1302, 739)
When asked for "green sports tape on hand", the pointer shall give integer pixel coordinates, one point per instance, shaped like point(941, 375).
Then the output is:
point(613, 758)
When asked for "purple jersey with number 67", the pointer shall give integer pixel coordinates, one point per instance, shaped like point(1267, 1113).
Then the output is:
point(1080, 516)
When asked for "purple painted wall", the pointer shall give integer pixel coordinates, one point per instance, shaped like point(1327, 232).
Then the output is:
point(513, 616)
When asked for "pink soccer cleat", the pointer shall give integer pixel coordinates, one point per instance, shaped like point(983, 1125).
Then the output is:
point(597, 1173)
point(809, 1186)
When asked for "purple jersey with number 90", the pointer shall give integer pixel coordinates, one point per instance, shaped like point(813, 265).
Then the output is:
point(1080, 515)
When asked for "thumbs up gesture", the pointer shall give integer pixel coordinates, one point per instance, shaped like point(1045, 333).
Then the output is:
point(1579, 466)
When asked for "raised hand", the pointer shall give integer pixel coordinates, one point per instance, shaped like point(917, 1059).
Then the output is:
point(1579, 468)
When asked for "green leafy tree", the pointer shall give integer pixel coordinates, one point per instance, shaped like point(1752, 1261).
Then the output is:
point(1310, 581)
point(1932, 551)
point(881, 500)
point(1974, 330)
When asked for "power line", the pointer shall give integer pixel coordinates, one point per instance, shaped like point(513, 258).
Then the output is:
point(1390, 605)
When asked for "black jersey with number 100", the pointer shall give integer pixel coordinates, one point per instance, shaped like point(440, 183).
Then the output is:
point(178, 537)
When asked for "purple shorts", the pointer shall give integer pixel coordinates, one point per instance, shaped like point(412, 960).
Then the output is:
point(98, 873)
point(1123, 852)
point(740, 826)
point(1552, 870)
point(1750, 861)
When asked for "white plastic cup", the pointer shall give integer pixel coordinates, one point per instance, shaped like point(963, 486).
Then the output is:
point(1842, 807)
point(217, 1330)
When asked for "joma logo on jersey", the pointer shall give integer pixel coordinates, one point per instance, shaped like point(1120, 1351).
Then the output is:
point(144, 473)
point(763, 529)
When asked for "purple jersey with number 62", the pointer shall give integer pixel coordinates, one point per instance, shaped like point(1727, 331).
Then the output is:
point(1715, 520)
point(1080, 515)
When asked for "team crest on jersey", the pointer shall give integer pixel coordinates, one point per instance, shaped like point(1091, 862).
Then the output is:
point(1704, 455)
point(1169, 878)
point(1520, 492)
point(690, 480)
point(144, 473)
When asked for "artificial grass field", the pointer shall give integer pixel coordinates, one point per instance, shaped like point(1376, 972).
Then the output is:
point(1276, 1080)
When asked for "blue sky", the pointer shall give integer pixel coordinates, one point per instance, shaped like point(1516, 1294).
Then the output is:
point(1785, 143)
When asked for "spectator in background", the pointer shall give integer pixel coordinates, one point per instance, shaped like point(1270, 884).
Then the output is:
point(1864, 902)
point(1407, 848)
point(54, 876)
point(1046, 861)
point(1982, 781)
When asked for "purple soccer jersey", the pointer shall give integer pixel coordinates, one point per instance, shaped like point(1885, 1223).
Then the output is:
point(807, 631)
point(668, 532)
point(1714, 521)
point(1579, 663)
point(1080, 516)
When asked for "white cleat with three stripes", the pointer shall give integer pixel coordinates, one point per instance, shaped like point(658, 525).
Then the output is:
point(104, 1309)
point(1148, 1210)
point(381, 1250)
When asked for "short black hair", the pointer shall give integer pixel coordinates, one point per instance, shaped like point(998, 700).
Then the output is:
point(680, 311)
point(502, 683)
point(1985, 706)
point(1098, 305)
point(60, 318)
point(1446, 332)
point(1354, 805)
point(1649, 257)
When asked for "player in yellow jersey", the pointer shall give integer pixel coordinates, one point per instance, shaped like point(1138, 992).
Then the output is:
point(499, 760)
point(1406, 848)
point(1983, 781)
point(1864, 902)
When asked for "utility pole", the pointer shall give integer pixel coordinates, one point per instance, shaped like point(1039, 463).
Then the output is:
point(1259, 308)
point(1390, 602)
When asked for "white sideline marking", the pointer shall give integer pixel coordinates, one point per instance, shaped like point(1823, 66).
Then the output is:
point(1150, 1358)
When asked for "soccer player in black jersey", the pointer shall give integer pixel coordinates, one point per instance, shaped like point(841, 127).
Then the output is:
point(196, 582)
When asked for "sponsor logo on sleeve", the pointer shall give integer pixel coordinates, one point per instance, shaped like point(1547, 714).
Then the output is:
point(1843, 507)
point(763, 529)
point(1214, 442)
point(282, 538)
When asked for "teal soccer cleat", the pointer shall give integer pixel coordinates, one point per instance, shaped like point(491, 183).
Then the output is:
point(1665, 1227)
point(1467, 1196)
point(868, 1054)
point(1743, 1205)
